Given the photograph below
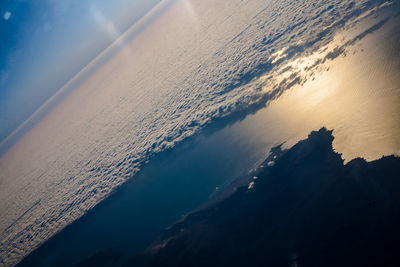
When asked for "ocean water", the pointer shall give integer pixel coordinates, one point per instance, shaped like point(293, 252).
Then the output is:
point(168, 84)
point(356, 93)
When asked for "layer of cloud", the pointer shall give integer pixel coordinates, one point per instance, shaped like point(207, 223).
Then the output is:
point(184, 72)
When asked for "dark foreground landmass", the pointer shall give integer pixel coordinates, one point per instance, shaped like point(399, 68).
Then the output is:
point(306, 209)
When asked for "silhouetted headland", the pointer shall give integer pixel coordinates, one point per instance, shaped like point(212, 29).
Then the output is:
point(302, 207)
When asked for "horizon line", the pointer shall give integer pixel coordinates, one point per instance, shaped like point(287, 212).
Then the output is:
point(47, 106)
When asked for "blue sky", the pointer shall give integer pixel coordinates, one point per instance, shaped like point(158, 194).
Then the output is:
point(45, 43)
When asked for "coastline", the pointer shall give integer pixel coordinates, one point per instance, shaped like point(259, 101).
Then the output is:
point(307, 208)
point(212, 130)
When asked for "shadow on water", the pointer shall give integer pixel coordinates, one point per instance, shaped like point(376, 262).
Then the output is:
point(174, 183)
point(307, 209)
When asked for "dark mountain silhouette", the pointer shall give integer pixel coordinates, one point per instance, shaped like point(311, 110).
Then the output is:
point(306, 209)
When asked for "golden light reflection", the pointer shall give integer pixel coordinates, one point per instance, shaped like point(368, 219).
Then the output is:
point(357, 94)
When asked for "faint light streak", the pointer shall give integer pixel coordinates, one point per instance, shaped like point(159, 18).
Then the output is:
point(189, 7)
point(108, 26)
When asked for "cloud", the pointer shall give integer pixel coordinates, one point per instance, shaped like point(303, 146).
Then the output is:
point(7, 15)
point(189, 7)
point(181, 79)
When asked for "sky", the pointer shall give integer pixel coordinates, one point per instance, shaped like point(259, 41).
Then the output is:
point(196, 63)
point(45, 43)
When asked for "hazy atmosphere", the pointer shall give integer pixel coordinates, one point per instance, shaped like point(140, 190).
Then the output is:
point(120, 118)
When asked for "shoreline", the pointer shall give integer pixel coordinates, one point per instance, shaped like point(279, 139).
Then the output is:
point(307, 208)
point(210, 130)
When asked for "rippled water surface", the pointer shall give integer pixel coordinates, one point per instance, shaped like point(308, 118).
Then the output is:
point(351, 85)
